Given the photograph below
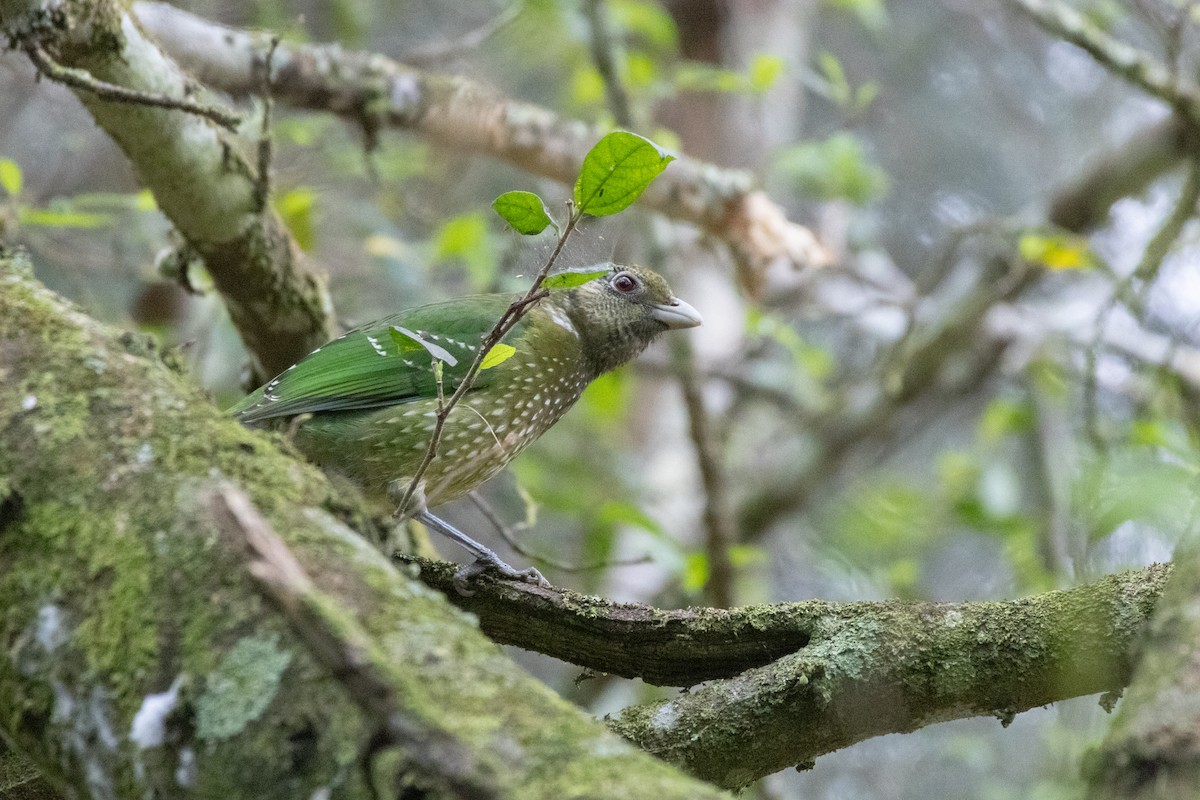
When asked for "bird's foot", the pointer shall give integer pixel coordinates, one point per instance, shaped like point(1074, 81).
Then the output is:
point(490, 562)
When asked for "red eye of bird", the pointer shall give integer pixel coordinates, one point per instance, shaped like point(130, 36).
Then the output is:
point(625, 282)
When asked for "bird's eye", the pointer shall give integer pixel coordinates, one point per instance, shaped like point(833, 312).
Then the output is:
point(625, 283)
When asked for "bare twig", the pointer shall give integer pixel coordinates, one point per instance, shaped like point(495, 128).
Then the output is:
point(262, 186)
point(606, 62)
point(508, 534)
point(720, 529)
point(427, 55)
point(85, 81)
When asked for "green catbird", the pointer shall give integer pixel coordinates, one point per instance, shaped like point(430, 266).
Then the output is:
point(371, 397)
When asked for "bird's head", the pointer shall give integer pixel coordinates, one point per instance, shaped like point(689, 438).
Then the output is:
point(619, 314)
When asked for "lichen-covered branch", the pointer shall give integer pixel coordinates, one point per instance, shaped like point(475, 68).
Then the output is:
point(455, 112)
point(1055, 645)
point(200, 176)
point(872, 669)
point(1150, 751)
point(140, 658)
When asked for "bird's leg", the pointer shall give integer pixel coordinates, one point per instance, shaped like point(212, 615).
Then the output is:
point(485, 559)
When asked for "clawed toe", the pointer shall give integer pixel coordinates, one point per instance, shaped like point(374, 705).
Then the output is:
point(468, 573)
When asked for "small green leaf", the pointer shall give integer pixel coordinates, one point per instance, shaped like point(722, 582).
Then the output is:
point(296, 208)
point(764, 71)
point(616, 171)
point(524, 211)
point(499, 353)
point(695, 572)
point(837, 84)
point(569, 280)
point(10, 177)
point(408, 341)
point(1056, 251)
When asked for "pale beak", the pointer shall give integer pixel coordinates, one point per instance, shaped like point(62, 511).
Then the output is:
point(675, 315)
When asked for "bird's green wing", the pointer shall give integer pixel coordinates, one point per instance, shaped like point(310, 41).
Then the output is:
point(368, 368)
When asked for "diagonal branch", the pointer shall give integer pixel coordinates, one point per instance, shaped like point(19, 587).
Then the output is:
point(455, 112)
point(1128, 62)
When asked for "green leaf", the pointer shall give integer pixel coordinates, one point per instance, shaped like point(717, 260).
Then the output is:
point(1056, 251)
point(616, 171)
point(296, 209)
point(837, 84)
point(10, 177)
point(499, 353)
point(62, 219)
point(569, 280)
point(764, 71)
point(408, 341)
point(837, 168)
point(695, 572)
point(524, 211)
point(696, 76)
point(467, 239)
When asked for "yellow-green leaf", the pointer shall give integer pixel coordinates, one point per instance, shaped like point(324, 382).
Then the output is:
point(569, 280)
point(296, 209)
point(1056, 251)
point(10, 177)
point(764, 71)
point(499, 353)
point(62, 219)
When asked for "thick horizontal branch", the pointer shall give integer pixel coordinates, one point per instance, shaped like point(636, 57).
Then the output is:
point(668, 648)
point(200, 176)
point(690, 646)
point(877, 668)
point(459, 113)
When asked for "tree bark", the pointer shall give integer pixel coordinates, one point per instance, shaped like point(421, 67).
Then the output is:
point(1152, 750)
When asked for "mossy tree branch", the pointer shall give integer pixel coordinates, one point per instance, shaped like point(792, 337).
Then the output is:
point(140, 657)
point(197, 169)
point(893, 668)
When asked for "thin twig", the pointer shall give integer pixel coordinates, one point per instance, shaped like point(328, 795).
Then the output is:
point(508, 533)
point(720, 528)
point(606, 63)
point(515, 312)
point(1130, 63)
point(85, 81)
point(430, 54)
point(262, 185)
